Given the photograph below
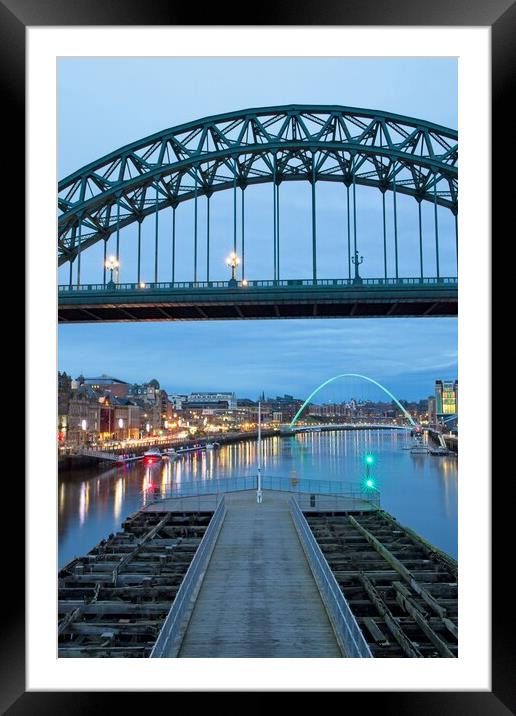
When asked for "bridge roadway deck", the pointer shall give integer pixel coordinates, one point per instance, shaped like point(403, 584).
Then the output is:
point(259, 597)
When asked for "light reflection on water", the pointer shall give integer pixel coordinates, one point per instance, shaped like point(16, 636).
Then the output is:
point(419, 490)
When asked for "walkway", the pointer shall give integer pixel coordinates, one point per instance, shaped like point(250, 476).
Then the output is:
point(259, 598)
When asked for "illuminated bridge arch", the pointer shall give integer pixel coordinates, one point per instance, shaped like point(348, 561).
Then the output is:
point(351, 375)
point(270, 144)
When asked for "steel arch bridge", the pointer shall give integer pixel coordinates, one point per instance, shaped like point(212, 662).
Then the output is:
point(231, 152)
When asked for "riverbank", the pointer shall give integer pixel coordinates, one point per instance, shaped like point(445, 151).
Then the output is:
point(72, 461)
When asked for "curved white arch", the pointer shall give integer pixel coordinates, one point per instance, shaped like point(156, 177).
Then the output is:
point(352, 375)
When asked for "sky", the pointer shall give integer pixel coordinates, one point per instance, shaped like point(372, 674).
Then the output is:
point(106, 103)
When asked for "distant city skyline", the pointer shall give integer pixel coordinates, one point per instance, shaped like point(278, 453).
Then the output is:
point(406, 355)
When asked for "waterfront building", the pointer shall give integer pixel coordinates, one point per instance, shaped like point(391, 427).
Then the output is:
point(446, 397)
point(84, 417)
point(64, 392)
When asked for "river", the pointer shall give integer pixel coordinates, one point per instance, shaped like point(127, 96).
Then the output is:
point(419, 490)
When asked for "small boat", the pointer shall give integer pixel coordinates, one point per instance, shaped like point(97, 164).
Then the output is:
point(152, 455)
point(212, 446)
point(190, 448)
point(418, 447)
point(170, 453)
point(124, 459)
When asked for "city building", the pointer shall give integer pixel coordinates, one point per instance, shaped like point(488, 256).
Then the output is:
point(432, 410)
point(209, 400)
point(446, 397)
point(84, 417)
point(116, 387)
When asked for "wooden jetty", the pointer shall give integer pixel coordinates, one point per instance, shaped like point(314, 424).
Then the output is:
point(257, 596)
point(113, 601)
point(401, 589)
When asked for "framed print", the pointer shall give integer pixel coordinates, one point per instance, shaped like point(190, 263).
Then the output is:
point(248, 467)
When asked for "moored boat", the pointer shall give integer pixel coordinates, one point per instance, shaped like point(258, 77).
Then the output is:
point(152, 455)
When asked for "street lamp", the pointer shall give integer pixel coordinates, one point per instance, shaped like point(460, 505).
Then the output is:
point(232, 262)
point(259, 470)
point(112, 264)
point(356, 262)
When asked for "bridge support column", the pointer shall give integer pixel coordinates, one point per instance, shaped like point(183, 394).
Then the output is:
point(395, 221)
point(195, 228)
point(349, 233)
point(207, 238)
point(354, 213)
point(173, 244)
point(79, 252)
point(118, 232)
point(278, 233)
point(384, 238)
point(243, 232)
point(274, 215)
point(104, 263)
point(420, 240)
point(235, 209)
point(314, 225)
point(156, 238)
point(436, 228)
point(139, 250)
point(456, 241)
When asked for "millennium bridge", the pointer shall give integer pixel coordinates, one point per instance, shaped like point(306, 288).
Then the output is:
point(107, 209)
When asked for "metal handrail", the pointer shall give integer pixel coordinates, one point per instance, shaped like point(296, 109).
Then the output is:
point(269, 283)
point(295, 485)
point(172, 631)
point(349, 635)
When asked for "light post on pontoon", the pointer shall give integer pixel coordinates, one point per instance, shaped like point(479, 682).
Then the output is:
point(259, 471)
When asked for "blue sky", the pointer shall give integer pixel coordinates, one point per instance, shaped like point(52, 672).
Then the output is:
point(106, 103)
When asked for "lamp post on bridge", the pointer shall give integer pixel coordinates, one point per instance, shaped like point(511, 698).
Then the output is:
point(112, 264)
point(232, 262)
point(356, 262)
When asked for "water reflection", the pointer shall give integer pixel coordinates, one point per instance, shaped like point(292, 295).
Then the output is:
point(419, 490)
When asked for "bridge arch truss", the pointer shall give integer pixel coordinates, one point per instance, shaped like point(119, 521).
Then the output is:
point(233, 151)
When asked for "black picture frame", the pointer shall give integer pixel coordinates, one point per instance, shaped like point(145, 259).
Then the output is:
point(500, 16)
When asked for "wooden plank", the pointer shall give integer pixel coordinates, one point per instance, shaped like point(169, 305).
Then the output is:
point(375, 631)
point(399, 567)
point(445, 559)
point(150, 534)
point(406, 644)
point(407, 603)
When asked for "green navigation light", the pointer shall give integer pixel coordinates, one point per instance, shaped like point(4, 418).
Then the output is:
point(369, 459)
point(369, 483)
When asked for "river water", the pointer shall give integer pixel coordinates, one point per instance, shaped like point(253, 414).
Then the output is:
point(419, 490)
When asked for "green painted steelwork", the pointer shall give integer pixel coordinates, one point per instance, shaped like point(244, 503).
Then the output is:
point(306, 142)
